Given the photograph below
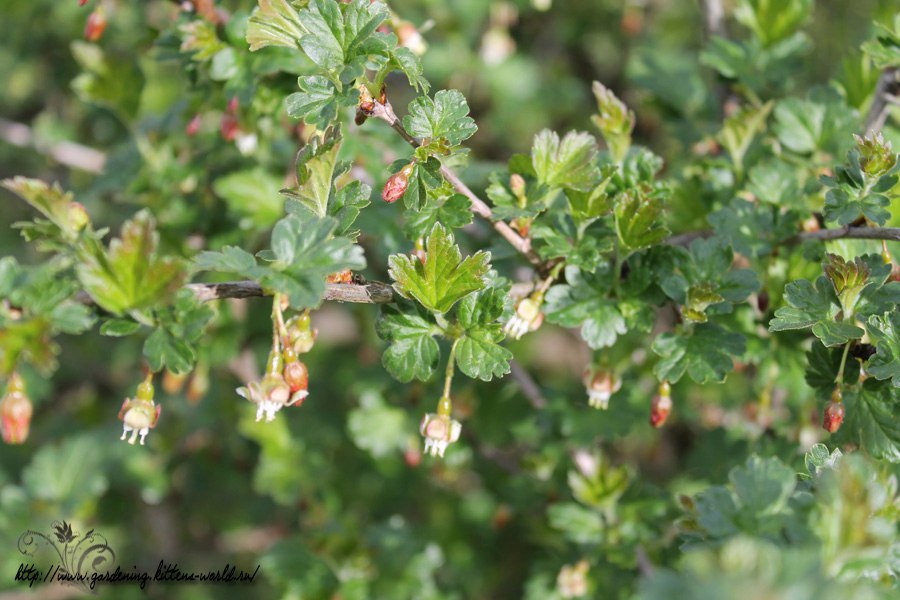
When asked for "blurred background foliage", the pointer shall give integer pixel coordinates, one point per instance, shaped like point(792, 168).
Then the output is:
point(335, 500)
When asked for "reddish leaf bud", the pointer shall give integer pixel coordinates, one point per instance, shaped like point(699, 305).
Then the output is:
point(15, 412)
point(95, 25)
point(833, 416)
point(661, 405)
point(397, 183)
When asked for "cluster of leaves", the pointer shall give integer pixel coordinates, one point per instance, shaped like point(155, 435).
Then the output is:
point(598, 215)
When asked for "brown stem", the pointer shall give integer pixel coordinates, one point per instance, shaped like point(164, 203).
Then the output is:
point(369, 293)
point(886, 89)
point(523, 245)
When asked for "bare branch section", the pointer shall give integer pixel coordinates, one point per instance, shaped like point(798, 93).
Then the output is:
point(381, 293)
point(886, 92)
point(386, 113)
point(713, 18)
point(369, 293)
point(66, 153)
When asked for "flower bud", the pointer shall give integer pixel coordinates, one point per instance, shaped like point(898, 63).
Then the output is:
point(397, 183)
point(833, 416)
point(15, 412)
point(572, 580)
point(193, 126)
point(172, 383)
point(528, 317)
point(661, 405)
point(875, 154)
point(95, 25)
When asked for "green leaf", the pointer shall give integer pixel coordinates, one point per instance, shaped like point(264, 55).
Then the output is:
point(424, 182)
point(771, 21)
point(303, 254)
point(763, 486)
point(130, 275)
point(884, 50)
point(885, 333)
point(335, 38)
point(346, 206)
point(740, 129)
point(412, 353)
point(478, 353)
point(114, 81)
point(162, 349)
point(444, 278)
point(451, 210)
point(378, 428)
point(824, 364)
point(753, 229)
point(316, 103)
point(315, 172)
point(639, 220)
point(51, 201)
point(844, 206)
point(230, 260)
point(72, 317)
point(818, 123)
point(814, 306)
point(406, 61)
point(872, 419)
point(585, 301)
point(584, 247)
point(707, 355)
point(252, 195)
point(445, 117)
point(119, 327)
point(275, 23)
point(569, 162)
point(578, 524)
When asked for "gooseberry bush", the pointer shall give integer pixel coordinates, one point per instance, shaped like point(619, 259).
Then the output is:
point(656, 355)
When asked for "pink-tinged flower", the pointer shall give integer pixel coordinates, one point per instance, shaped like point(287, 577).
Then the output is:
point(439, 429)
point(140, 414)
point(15, 412)
point(661, 405)
point(229, 126)
point(270, 394)
point(601, 384)
point(95, 25)
point(397, 183)
point(572, 580)
point(528, 317)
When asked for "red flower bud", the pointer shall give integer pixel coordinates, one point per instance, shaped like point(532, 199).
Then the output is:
point(833, 416)
point(193, 126)
point(296, 375)
point(229, 126)
point(661, 405)
point(396, 185)
point(15, 412)
point(82, 2)
point(95, 25)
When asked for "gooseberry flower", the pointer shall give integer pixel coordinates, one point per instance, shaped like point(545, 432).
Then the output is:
point(601, 384)
point(296, 376)
point(439, 429)
point(15, 411)
point(572, 580)
point(528, 317)
point(661, 405)
point(140, 414)
point(300, 333)
point(272, 392)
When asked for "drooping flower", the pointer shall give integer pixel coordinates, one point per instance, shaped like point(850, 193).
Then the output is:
point(15, 412)
point(661, 405)
point(296, 375)
point(528, 317)
point(572, 580)
point(140, 414)
point(301, 335)
point(601, 384)
point(272, 392)
point(439, 429)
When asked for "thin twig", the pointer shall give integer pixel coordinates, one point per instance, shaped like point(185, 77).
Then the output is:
point(528, 386)
point(886, 89)
point(385, 112)
point(66, 153)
